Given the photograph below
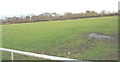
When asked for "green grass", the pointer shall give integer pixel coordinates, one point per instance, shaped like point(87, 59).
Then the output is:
point(59, 37)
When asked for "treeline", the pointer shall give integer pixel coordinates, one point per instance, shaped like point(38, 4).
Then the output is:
point(55, 16)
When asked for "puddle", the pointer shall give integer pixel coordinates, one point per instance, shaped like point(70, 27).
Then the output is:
point(98, 36)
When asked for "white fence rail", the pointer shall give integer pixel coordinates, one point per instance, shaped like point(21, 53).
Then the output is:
point(33, 55)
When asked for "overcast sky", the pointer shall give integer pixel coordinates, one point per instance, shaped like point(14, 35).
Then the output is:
point(28, 7)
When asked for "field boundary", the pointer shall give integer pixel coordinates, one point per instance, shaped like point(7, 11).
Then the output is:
point(33, 55)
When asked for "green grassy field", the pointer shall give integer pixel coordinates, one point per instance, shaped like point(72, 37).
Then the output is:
point(57, 38)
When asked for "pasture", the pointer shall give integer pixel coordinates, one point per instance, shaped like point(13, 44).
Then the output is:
point(57, 38)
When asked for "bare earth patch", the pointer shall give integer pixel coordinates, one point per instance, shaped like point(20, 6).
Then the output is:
point(99, 36)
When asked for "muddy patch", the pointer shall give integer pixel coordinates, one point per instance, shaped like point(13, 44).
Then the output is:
point(98, 36)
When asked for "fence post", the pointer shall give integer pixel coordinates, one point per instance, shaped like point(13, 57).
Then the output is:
point(12, 56)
